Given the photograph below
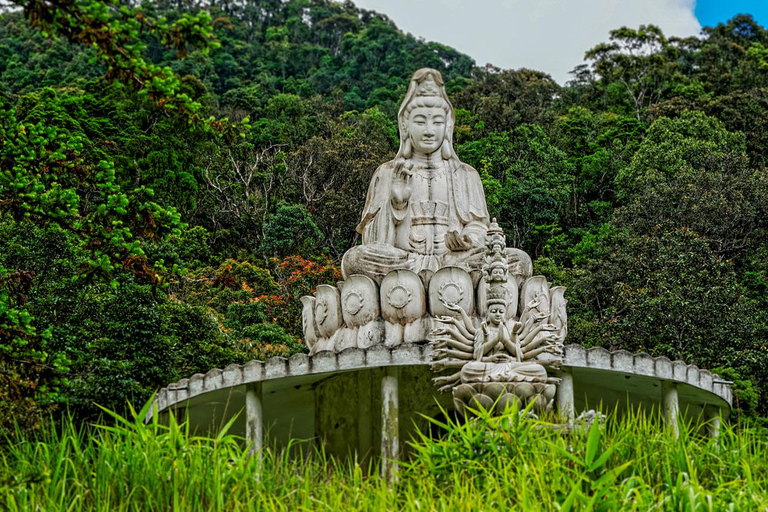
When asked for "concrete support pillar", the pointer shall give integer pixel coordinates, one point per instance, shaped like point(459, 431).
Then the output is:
point(565, 405)
point(364, 424)
point(670, 405)
point(254, 419)
point(390, 435)
point(713, 421)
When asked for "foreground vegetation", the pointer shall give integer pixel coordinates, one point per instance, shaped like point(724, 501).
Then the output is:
point(487, 463)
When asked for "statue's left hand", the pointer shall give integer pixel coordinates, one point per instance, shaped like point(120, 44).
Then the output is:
point(556, 350)
point(455, 241)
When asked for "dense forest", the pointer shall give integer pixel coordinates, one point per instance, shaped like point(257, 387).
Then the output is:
point(174, 176)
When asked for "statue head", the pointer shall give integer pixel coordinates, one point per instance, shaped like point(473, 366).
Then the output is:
point(426, 118)
point(497, 305)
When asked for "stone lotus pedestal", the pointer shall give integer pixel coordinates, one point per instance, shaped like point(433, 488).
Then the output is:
point(360, 313)
point(498, 396)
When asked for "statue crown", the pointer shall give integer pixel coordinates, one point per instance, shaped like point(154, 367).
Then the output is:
point(428, 87)
point(497, 294)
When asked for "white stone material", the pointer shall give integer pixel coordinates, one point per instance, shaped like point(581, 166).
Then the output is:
point(254, 414)
point(565, 403)
point(713, 417)
point(359, 300)
point(301, 365)
point(390, 425)
point(328, 317)
point(535, 289)
point(450, 286)
point(670, 403)
point(402, 297)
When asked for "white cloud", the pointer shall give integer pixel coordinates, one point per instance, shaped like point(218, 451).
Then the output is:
point(549, 35)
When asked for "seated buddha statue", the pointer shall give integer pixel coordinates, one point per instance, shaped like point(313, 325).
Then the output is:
point(425, 209)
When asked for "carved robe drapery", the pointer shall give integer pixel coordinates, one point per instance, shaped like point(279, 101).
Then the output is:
point(384, 224)
point(446, 198)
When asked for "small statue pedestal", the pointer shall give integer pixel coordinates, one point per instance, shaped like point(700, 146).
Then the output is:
point(498, 396)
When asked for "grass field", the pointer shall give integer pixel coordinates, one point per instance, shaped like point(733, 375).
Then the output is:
point(501, 463)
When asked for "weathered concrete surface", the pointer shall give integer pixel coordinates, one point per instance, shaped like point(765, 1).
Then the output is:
point(390, 424)
point(335, 398)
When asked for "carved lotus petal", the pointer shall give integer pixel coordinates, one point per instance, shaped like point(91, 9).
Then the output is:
point(464, 392)
point(481, 401)
point(558, 315)
point(450, 286)
point(506, 401)
point(494, 390)
point(359, 300)
point(308, 321)
point(402, 297)
point(524, 390)
point(536, 290)
point(327, 310)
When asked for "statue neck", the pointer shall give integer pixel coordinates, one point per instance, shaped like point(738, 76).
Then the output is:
point(433, 159)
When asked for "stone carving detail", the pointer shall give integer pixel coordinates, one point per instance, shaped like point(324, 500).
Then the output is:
point(399, 296)
point(432, 267)
point(450, 287)
point(360, 300)
point(402, 297)
point(501, 359)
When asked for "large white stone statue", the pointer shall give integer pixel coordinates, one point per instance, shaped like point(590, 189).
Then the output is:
point(427, 242)
point(425, 209)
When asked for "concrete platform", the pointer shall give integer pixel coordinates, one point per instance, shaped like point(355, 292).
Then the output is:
point(336, 398)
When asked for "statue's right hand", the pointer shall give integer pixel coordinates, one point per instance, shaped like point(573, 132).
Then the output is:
point(401, 186)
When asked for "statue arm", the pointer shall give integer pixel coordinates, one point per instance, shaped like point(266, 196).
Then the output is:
point(453, 343)
point(483, 343)
point(529, 339)
point(465, 326)
point(470, 204)
point(453, 333)
point(552, 349)
point(401, 190)
point(454, 354)
point(475, 232)
point(379, 215)
point(509, 343)
point(532, 334)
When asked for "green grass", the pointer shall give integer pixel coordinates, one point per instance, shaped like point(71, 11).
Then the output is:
point(631, 463)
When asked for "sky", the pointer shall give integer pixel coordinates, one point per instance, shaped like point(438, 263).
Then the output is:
point(550, 35)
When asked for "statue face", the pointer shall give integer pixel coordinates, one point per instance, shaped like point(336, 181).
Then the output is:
point(495, 314)
point(426, 129)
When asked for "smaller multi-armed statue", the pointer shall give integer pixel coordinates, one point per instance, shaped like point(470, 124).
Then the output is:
point(501, 359)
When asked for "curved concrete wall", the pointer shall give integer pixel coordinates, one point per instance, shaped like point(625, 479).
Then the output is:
point(700, 385)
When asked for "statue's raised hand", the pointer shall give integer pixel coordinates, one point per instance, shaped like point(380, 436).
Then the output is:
point(453, 307)
point(401, 185)
point(556, 350)
point(456, 241)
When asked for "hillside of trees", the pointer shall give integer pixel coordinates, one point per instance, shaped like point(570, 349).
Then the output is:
point(173, 178)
